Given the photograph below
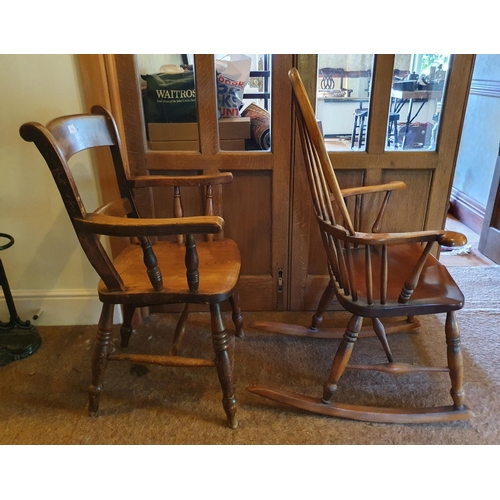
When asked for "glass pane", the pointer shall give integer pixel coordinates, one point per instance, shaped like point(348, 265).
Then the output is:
point(343, 99)
point(244, 101)
point(418, 88)
point(169, 101)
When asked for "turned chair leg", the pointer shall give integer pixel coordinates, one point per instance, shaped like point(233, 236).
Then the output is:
point(102, 347)
point(234, 300)
point(342, 357)
point(324, 302)
point(222, 362)
point(126, 328)
point(455, 361)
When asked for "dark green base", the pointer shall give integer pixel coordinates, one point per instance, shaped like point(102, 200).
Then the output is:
point(18, 340)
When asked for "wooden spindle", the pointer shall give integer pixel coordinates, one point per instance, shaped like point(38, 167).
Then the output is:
point(377, 224)
point(383, 275)
point(350, 271)
point(357, 214)
point(178, 210)
point(191, 260)
point(209, 208)
point(368, 276)
point(151, 264)
point(410, 285)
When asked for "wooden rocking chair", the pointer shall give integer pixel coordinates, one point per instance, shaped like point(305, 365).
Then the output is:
point(373, 275)
point(144, 274)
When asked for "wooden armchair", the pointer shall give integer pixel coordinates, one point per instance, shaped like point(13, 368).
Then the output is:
point(373, 275)
point(183, 271)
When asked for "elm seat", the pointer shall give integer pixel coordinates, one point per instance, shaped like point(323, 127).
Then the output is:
point(373, 275)
point(187, 270)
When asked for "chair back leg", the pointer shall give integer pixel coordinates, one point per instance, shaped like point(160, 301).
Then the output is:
point(102, 347)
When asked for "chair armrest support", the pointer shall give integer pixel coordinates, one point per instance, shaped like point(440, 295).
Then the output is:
point(386, 188)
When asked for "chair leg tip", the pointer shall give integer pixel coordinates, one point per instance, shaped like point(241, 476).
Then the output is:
point(233, 423)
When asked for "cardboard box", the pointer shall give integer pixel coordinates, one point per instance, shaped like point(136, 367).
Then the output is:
point(173, 131)
point(229, 128)
point(232, 145)
point(174, 145)
point(234, 128)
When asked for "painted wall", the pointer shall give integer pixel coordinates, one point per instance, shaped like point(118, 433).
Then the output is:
point(479, 145)
point(46, 267)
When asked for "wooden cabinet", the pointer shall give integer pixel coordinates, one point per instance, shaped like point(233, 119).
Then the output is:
point(267, 209)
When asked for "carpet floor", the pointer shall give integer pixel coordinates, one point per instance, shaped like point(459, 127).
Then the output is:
point(43, 398)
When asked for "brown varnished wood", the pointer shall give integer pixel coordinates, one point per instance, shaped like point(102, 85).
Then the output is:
point(364, 413)
point(162, 360)
point(330, 333)
point(372, 275)
point(145, 272)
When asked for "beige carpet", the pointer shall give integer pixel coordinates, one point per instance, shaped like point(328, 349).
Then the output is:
point(43, 398)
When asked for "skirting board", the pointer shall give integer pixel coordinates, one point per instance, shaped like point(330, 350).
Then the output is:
point(466, 210)
point(57, 307)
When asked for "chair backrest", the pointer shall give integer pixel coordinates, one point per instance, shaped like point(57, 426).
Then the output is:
point(61, 139)
point(329, 205)
point(357, 261)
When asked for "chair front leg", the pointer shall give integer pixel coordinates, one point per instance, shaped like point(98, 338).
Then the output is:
point(222, 362)
point(342, 357)
point(102, 347)
point(455, 361)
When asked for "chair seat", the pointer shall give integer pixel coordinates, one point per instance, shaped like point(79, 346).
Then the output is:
point(219, 270)
point(436, 290)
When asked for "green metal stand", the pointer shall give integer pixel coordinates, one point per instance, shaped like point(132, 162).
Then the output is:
point(18, 339)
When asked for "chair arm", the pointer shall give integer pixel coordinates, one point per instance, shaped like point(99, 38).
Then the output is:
point(394, 238)
point(446, 238)
point(452, 239)
point(136, 227)
point(390, 186)
point(179, 180)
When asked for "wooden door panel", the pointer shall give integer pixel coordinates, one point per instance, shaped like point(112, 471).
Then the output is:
point(247, 209)
point(407, 208)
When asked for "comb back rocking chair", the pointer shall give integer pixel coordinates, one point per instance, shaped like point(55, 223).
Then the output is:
point(145, 274)
point(373, 275)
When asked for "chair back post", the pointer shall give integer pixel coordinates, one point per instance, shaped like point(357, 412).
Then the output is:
point(57, 143)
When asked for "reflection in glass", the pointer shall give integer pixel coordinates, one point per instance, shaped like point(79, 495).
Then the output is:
point(244, 101)
point(169, 101)
point(343, 99)
point(419, 82)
